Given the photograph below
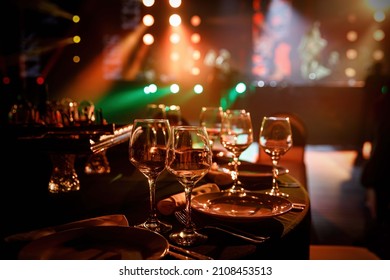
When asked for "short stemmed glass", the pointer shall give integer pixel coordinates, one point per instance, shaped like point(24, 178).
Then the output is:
point(211, 119)
point(147, 152)
point(236, 136)
point(276, 140)
point(189, 159)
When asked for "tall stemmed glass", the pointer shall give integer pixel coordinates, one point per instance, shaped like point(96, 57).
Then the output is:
point(189, 159)
point(236, 136)
point(147, 152)
point(211, 119)
point(276, 140)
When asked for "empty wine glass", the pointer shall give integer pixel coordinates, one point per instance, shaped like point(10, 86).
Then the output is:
point(189, 159)
point(147, 152)
point(211, 118)
point(173, 114)
point(276, 140)
point(155, 111)
point(236, 136)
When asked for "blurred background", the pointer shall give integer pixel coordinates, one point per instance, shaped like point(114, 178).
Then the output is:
point(307, 57)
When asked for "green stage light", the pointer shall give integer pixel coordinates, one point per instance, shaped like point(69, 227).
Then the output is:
point(240, 87)
point(153, 88)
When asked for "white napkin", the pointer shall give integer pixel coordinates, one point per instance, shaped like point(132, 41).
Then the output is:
point(108, 220)
point(170, 204)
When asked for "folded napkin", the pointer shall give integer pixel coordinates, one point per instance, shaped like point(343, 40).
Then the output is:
point(108, 220)
point(170, 204)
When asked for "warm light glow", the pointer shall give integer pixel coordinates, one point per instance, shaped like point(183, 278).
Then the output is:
point(195, 38)
point(352, 36)
point(378, 55)
point(195, 21)
point(175, 20)
point(351, 54)
point(148, 20)
point(175, 3)
point(198, 89)
point(148, 3)
point(76, 59)
point(76, 39)
point(350, 72)
point(366, 150)
point(75, 18)
point(175, 56)
point(196, 55)
point(195, 71)
point(174, 88)
point(378, 35)
point(148, 39)
point(174, 38)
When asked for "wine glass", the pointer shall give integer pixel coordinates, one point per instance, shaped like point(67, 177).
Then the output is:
point(189, 159)
point(276, 140)
point(155, 111)
point(211, 118)
point(236, 136)
point(173, 114)
point(147, 152)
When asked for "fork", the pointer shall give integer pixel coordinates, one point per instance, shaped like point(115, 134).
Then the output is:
point(181, 217)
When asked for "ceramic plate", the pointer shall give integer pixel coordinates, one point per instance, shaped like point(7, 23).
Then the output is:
point(253, 170)
point(98, 242)
point(238, 207)
point(247, 173)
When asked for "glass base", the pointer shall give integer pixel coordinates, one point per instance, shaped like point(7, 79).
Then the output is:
point(156, 226)
point(235, 190)
point(188, 237)
point(237, 187)
point(275, 192)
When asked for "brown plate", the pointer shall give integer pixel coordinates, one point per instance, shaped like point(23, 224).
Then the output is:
point(248, 173)
point(98, 242)
point(250, 206)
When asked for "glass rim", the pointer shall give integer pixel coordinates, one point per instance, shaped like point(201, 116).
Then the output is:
point(276, 118)
point(150, 120)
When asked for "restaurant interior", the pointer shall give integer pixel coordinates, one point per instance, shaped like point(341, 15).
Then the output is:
point(76, 74)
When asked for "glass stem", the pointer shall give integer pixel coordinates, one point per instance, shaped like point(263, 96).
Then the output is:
point(275, 173)
point(152, 196)
point(188, 193)
point(234, 173)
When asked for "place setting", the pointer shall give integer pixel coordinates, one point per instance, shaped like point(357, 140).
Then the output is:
point(184, 224)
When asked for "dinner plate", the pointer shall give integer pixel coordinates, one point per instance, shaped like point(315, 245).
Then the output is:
point(253, 170)
point(248, 173)
point(98, 242)
point(250, 206)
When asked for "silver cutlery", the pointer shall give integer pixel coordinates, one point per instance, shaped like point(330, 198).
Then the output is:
point(284, 184)
point(185, 254)
point(298, 206)
point(181, 217)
